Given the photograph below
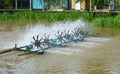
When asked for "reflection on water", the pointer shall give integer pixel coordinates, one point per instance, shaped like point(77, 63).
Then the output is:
point(105, 31)
point(96, 55)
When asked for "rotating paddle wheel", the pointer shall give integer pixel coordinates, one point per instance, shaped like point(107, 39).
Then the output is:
point(61, 40)
point(37, 42)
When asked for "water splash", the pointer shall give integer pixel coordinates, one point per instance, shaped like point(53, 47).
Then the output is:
point(25, 36)
point(41, 29)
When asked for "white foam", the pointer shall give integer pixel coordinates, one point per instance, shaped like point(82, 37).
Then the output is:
point(40, 29)
point(65, 51)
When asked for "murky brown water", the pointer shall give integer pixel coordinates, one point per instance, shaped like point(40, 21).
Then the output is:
point(96, 55)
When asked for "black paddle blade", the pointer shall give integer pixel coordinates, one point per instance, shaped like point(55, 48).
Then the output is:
point(37, 43)
point(37, 37)
point(34, 38)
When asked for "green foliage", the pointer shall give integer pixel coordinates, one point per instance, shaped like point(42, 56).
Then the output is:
point(7, 3)
point(105, 20)
point(108, 21)
point(95, 1)
point(118, 0)
point(40, 16)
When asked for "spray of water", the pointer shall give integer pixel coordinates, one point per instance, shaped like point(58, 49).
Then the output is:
point(25, 36)
point(41, 30)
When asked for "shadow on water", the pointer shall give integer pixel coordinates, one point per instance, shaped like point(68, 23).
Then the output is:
point(96, 55)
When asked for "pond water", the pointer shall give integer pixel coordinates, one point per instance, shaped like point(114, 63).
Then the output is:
point(95, 55)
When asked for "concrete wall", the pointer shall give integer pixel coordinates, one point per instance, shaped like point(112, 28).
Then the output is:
point(72, 4)
point(82, 5)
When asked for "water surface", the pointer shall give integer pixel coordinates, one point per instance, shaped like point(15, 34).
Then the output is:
point(95, 55)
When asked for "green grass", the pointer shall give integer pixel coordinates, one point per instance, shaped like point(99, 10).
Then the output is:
point(39, 16)
point(105, 20)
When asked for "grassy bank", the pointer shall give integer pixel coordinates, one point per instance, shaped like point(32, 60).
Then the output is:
point(107, 21)
point(100, 20)
point(39, 16)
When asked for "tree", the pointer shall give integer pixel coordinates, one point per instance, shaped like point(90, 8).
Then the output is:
point(7, 3)
point(118, 0)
